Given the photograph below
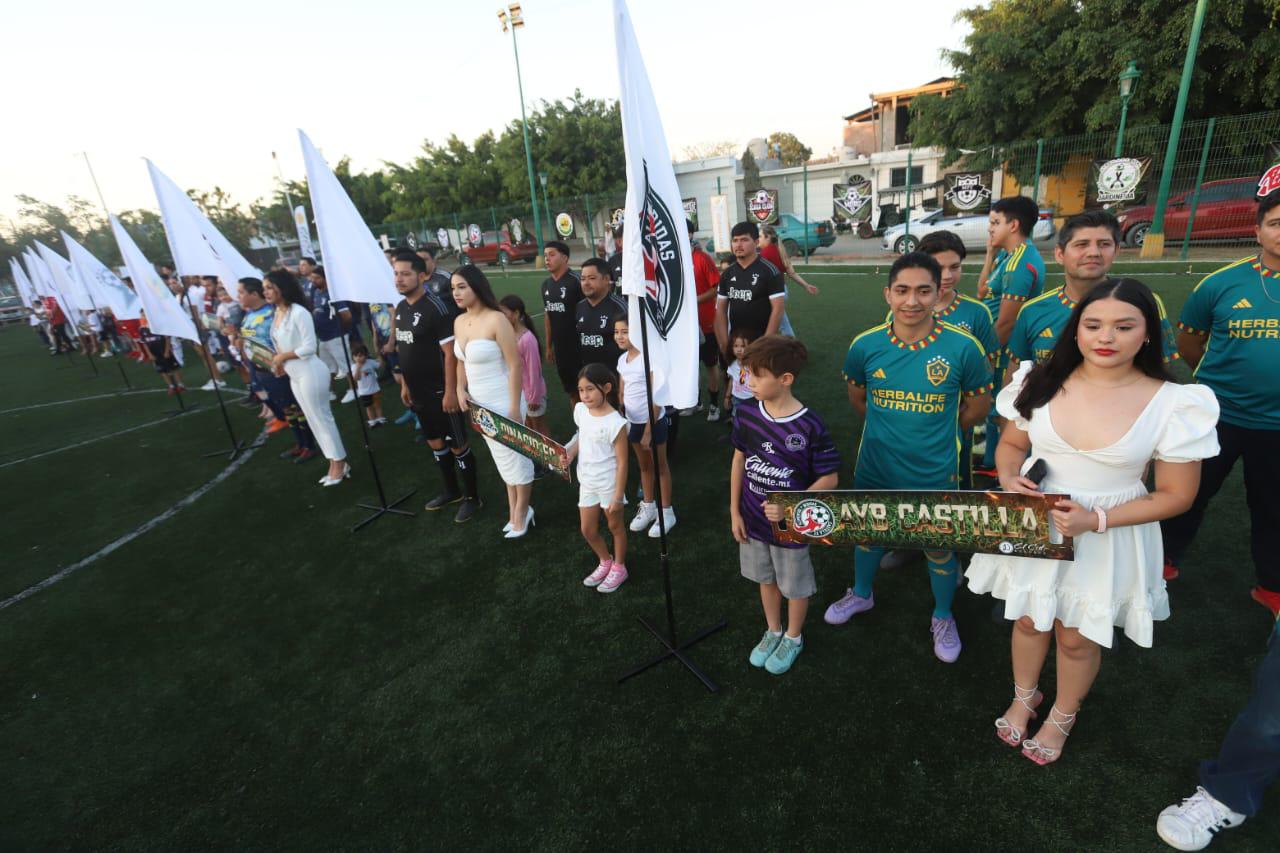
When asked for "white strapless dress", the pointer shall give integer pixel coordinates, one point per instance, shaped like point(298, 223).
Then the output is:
point(1116, 578)
point(487, 386)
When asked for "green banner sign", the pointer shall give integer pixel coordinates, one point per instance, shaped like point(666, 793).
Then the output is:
point(520, 438)
point(976, 522)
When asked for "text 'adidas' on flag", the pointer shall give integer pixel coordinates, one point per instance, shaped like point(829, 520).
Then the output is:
point(657, 259)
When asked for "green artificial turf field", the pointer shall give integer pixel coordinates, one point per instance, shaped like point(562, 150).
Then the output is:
point(248, 675)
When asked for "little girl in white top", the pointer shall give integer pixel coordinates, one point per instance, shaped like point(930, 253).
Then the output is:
point(601, 449)
point(647, 428)
point(736, 391)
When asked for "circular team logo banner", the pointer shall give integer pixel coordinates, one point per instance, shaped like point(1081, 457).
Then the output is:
point(442, 237)
point(1118, 181)
point(564, 225)
point(473, 234)
point(516, 228)
point(762, 204)
point(968, 193)
point(484, 420)
point(852, 201)
point(616, 217)
point(411, 240)
point(813, 518)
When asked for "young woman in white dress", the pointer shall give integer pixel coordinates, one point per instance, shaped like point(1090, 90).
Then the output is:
point(1098, 411)
point(293, 332)
point(490, 375)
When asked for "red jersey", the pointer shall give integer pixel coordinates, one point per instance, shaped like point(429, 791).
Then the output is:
point(771, 254)
point(51, 307)
point(706, 276)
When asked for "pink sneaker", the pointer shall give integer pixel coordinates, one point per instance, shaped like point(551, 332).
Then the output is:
point(599, 574)
point(617, 574)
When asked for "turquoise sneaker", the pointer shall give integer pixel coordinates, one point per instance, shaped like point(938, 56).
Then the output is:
point(761, 652)
point(784, 655)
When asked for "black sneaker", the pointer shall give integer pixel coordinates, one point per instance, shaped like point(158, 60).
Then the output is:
point(442, 500)
point(470, 506)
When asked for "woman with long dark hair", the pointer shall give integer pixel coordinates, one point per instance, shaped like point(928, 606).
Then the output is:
point(490, 374)
point(1097, 412)
point(293, 332)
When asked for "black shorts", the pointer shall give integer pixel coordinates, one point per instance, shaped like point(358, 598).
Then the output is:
point(166, 364)
point(437, 424)
point(368, 400)
point(709, 351)
point(568, 372)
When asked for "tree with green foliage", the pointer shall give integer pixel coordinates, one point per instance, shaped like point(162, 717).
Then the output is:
point(791, 151)
point(750, 170)
point(1048, 68)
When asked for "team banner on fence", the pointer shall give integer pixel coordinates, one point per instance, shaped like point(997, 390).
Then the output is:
point(1120, 180)
point(762, 206)
point(521, 439)
point(852, 201)
point(564, 224)
point(976, 522)
point(691, 210)
point(967, 194)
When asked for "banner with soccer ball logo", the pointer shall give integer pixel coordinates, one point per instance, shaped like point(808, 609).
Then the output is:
point(564, 224)
point(852, 200)
point(967, 194)
point(1118, 181)
point(762, 206)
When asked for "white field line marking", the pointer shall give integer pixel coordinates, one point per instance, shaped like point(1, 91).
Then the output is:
point(145, 527)
point(45, 453)
point(82, 399)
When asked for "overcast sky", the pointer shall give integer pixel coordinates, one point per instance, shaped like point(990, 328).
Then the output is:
point(209, 90)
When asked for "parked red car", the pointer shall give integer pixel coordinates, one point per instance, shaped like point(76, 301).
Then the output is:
point(498, 249)
point(1225, 211)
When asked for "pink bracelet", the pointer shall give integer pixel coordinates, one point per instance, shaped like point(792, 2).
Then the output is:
point(1102, 519)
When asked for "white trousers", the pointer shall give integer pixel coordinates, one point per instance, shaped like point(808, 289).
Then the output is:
point(309, 379)
point(331, 354)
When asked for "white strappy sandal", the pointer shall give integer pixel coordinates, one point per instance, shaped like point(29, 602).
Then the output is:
point(1030, 699)
point(1043, 755)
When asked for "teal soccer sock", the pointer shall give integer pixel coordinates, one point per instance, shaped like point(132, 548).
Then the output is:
point(866, 562)
point(942, 578)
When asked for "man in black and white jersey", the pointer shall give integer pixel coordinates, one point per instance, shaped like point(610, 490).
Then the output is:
point(428, 375)
point(561, 293)
point(750, 294)
point(595, 315)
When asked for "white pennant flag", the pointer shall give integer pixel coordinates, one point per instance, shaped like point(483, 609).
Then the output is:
point(354, 265)
point(107, 288)
point(198, 247)
point(165, 315)
point(35, 274)
point(657, 261)
point(64, 280)
point(26, 292)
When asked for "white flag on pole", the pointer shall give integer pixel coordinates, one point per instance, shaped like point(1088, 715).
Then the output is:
point(657, 260)
point(165, 315)
point(26, 292)
point(198, 247)
point(35, 274)
point(354, 265)
point(107, 288)
point(64, 280)
point(304, 232)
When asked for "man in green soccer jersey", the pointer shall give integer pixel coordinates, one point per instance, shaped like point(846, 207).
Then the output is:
point(1012, 273)
point(1229, 333)
point(1087, 246)
point(913, 379)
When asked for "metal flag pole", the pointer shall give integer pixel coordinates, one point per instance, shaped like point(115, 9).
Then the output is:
point(673, 647)
point(382, 507)
point(237, 446)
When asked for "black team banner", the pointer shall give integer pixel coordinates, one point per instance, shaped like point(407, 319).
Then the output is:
point(762, 206)
point(520, 438)
point(1118, 181)
point(972, 522)
point(967, 194)
point(852, 201)
point(691, 211)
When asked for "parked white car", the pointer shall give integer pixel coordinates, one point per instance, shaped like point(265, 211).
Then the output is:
point(972, 230)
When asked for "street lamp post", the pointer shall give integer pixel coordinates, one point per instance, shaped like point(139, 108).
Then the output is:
point(513, 16)
point(1128, 82)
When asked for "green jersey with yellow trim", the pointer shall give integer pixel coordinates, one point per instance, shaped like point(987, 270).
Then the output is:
point(1041, 321)
point(1016, 276)
point(971, 315)
point(1238, 307)
point(910, 438)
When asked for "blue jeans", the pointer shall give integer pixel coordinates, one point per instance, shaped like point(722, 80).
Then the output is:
point(1249, 760)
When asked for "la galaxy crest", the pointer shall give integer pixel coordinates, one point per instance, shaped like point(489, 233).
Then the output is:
point(937, 369)
point(663, 270)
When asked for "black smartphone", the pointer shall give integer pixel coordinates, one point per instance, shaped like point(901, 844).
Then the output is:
point(1036, 473)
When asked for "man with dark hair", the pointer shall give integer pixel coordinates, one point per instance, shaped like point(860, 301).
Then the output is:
point(306, 266)
point(750, 293)
point(595, 315)
point(438, 281)
point(331, 320)
point(1012, 273)
point(1229, 333)
point(706, 278)
point(1086, 249)
point(561, 293)
point(615, 259)
point(428, 375)
point(913, 379)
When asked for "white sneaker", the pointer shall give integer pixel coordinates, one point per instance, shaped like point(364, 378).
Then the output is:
point(646, 515)
point(1192, 825)
point(669, 519)
point(713, 413)
point(349, 396)
point(208, 386)
point(332, 396)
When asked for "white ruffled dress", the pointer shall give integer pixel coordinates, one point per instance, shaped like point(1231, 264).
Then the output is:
point(1117, 576)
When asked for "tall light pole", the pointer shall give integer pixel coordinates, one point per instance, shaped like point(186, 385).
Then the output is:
point(542, 179)
point(515, 18)
point(1128, 83)
point(1153, 242)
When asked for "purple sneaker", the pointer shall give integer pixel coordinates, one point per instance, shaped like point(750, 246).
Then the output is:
point(946, 639)
point(852, 604)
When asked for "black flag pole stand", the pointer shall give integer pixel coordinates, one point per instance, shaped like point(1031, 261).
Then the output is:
point(381, 508)
point(237, 446)
point(672, 646)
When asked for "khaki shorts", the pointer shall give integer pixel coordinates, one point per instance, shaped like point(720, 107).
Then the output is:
point(789, 568)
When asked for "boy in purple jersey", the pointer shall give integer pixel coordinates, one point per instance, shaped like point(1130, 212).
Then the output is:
point(779, 446)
